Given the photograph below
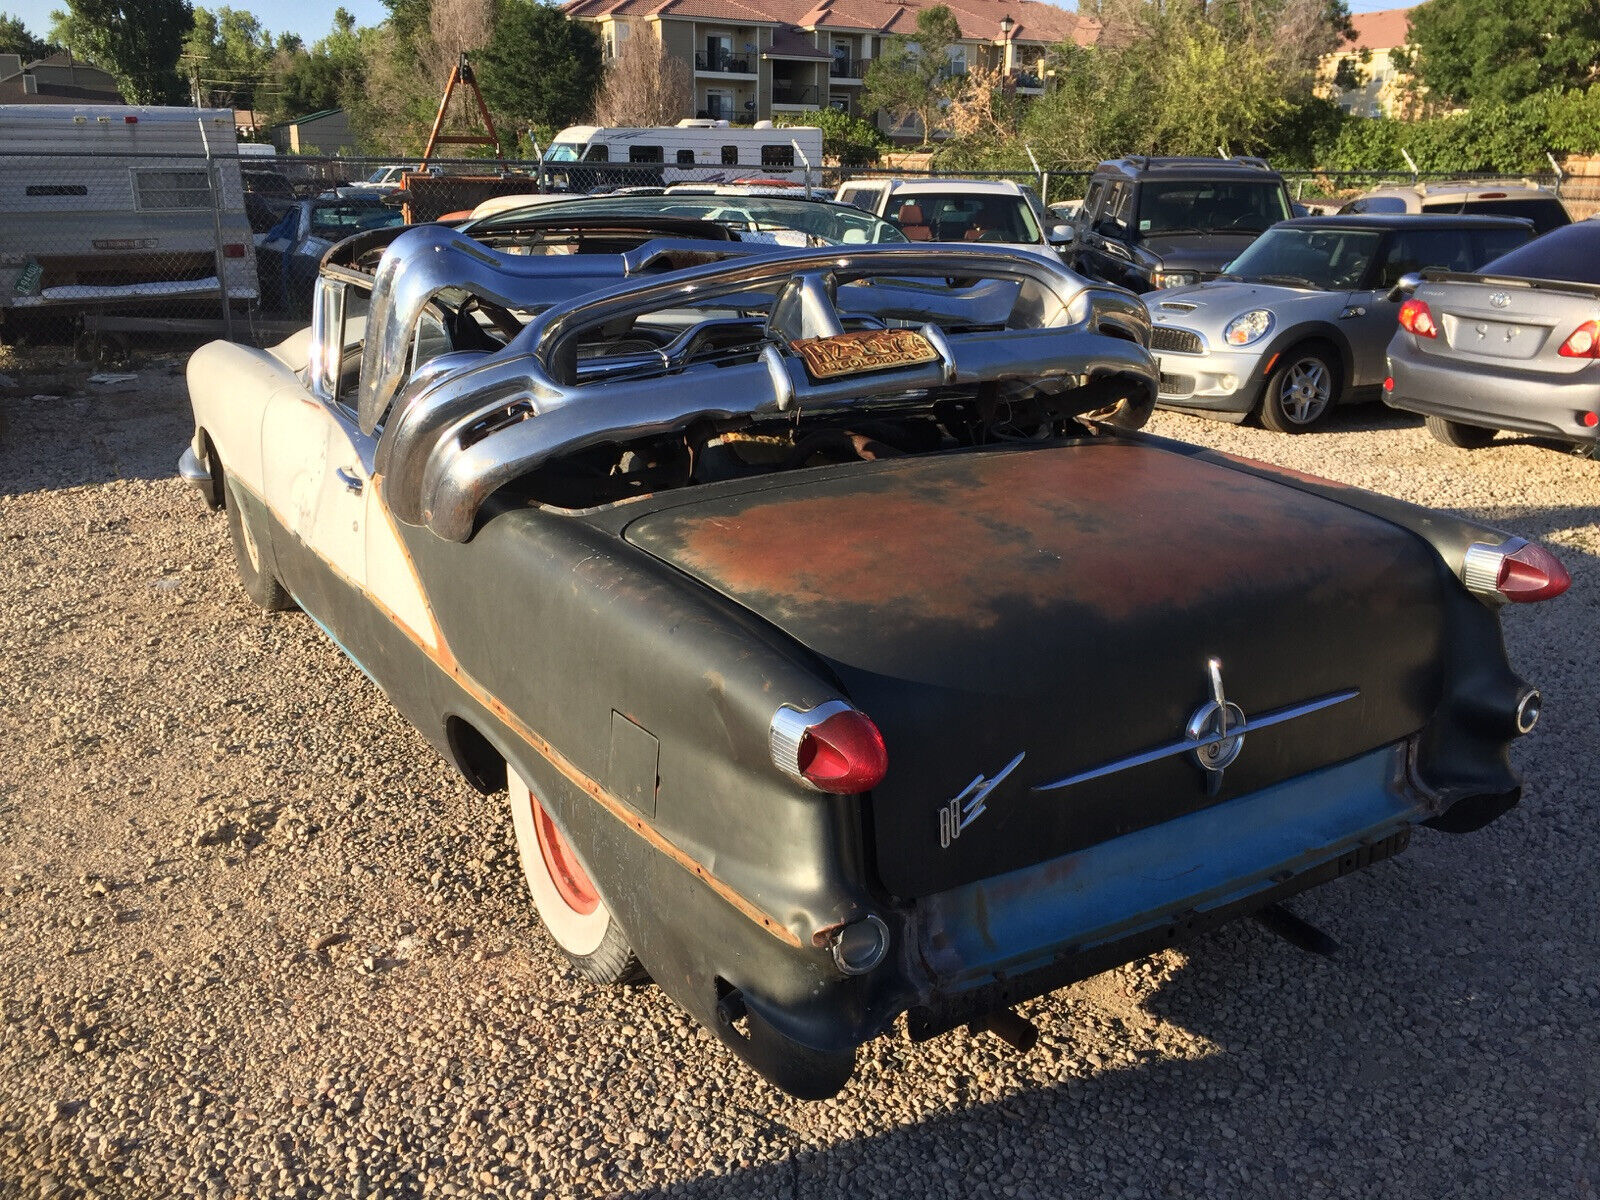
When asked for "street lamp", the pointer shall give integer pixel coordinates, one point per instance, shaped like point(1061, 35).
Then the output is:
point(1006, 26)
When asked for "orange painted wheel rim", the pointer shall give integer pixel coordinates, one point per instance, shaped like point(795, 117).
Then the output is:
point(572, 882)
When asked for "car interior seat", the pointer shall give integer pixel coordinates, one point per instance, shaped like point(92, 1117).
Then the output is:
point(913, 224)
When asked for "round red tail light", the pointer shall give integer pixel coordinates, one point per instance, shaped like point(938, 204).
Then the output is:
point(833, 748)
point(1516, 571)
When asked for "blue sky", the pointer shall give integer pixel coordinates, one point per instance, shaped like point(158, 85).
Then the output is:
point(313, 18)
point(309, 18)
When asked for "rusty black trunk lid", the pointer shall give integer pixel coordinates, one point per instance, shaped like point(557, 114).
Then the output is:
point(1061, 603)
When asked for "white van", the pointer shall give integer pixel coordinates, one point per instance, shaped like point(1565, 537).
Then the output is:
point(113, 203)
point(698, 151)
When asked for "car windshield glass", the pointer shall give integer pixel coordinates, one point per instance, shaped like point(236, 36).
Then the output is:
point(1324, 258)
point(1570, 254)
point(1208, 207)
point(818, 222)
point(563, 152)
point(381, 175)
point(338, 221)
point(964, 217)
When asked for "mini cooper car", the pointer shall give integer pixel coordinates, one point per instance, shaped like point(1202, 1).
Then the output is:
point(843, 663)
point(1300, 320)
point(1512, 346)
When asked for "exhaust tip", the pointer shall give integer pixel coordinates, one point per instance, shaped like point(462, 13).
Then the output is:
point(1529, 707)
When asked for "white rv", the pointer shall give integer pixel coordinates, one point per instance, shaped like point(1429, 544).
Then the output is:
point(110, 204)
point(697, 151)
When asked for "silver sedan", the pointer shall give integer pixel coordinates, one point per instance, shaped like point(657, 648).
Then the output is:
point(1513, 347)
point(1301, 319)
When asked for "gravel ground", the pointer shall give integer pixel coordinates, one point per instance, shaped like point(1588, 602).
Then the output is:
point(256, 940)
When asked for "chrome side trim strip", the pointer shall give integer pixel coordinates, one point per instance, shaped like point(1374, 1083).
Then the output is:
point(1185, 745)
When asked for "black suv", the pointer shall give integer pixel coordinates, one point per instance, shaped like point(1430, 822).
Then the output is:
point(1165, 222)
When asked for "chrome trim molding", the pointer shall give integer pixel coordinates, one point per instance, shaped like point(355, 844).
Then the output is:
point(1529, 707)
point(1188, 745)
point(439, 474)
point(848, 959)
point(194, 472)
point(1480, 568)
point(788, 730)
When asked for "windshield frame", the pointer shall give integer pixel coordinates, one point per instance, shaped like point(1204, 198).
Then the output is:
point(927, 200)
point(1153, 191)
point(822, 220)
point(1281, 237)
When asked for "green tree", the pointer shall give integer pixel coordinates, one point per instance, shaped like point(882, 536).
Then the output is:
point(1467, 51)
point(328, 75)
point(540, 68)
point(15, 38)
point(912, 75)
point(850, 141)
point(138, 41)
point(227, 56)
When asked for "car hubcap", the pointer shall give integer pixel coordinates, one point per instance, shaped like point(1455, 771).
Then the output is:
point(1306, 391)
point(572, 883)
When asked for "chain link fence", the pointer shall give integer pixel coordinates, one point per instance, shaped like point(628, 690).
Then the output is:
point(116, 253)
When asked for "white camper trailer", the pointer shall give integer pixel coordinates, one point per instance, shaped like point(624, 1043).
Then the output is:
point(692, 151)
point(114, 205)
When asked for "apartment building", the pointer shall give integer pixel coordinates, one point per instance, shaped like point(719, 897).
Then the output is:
point(755, 58)
point(1381, 88)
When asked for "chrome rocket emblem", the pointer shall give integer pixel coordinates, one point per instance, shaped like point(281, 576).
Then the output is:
point(1500, 299)
point(955, 815)
point(1210, 727)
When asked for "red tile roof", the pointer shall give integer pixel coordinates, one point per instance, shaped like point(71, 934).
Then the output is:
point(1379, 30)
point(979, 19)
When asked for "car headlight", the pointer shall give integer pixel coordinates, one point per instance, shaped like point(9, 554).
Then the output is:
point(1248, 327)
point(1166, 279)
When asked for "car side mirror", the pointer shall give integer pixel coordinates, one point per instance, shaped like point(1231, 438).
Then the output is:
point(1408, 284)
point(1061, 235)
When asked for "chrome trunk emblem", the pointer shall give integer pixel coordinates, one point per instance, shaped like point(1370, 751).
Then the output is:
point(1500, 299)
point(955, 815)
point(1209, 727)
point(1213, 737)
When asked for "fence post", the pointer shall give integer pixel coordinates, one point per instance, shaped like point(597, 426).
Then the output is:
point(807, 161)
point(215, 182)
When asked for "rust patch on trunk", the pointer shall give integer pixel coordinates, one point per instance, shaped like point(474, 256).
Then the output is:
point(972, 539)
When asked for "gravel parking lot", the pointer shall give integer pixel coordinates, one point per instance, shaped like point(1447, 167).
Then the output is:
point(256, 939)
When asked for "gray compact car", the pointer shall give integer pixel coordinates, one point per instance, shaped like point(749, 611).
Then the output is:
point(1512, 347)
point(1301, 319)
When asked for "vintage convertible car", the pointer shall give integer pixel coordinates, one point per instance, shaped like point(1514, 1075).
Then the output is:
point(842, 659)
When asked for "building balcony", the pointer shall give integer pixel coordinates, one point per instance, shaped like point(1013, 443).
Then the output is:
point(724, 64)
point(848, 70)
point(793, 95)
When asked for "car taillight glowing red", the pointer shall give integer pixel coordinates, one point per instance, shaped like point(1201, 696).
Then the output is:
point(1416, 318)
point(833, 748)
point(1584, 342)
point(845, 754)
point(1516, 571)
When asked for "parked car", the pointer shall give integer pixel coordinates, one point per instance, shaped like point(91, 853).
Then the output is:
point(1485, 197)
point(1512, 346)
point(783, 220)
point(1301, 320)
point(290, 252)
point(994, 212)
point(268, 195)
point(1149, 223)
point(839, 662)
